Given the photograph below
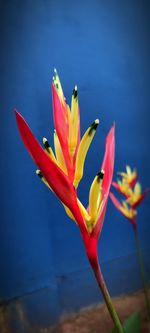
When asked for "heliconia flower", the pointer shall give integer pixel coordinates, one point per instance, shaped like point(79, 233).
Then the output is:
point(133, 194)
point(129, 176)
point(125, 209)
point(62, 169)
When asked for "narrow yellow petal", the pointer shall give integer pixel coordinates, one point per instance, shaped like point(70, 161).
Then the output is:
point(127, 211)
point(74, 122)
point(49, 150)
point(123, 174)
point(83, 211)
point(137, 189)
point(69, 213)
point(82, 151)
point(95, 196)
point(59, 153)
point(68, 115)
point(129, 172)
point(135, 194)
point(39, 174)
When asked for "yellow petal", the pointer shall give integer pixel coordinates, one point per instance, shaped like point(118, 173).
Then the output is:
point(95, 196)
point(127, 211)
point(49, 150)
point(69, 213)
point(74, 122)
point(59, 153)
point(128, 169)
point(83, 211)
point(82, 151)
point(39, 174)
point(137, 189)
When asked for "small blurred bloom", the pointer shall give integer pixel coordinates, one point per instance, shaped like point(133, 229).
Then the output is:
point(132, 191)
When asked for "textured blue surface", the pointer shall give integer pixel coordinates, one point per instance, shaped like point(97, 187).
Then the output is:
point(103, 47)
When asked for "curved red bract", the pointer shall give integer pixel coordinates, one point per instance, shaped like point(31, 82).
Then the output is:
point(108, 167)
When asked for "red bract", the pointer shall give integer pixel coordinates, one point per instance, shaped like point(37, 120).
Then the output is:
point(55, 177)
point(61, 123)
point(108, 167)
point(91, 240)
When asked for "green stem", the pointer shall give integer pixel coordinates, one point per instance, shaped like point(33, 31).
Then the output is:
point(90, 242)
point(142, 270)
point(107, 298)
point(92, 254)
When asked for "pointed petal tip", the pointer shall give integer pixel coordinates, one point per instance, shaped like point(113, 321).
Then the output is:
point(96, 121)
point(75, 92)
point(16, 112)
point(113, 127)
point(19, 117)
point(100, 174)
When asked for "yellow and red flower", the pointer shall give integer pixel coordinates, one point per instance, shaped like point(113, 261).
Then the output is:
point(62, 169)
point(132, 191)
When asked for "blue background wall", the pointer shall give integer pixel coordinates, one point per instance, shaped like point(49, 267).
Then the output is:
point(103, 47)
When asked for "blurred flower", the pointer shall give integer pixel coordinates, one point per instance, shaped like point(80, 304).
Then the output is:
point(131, 189)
